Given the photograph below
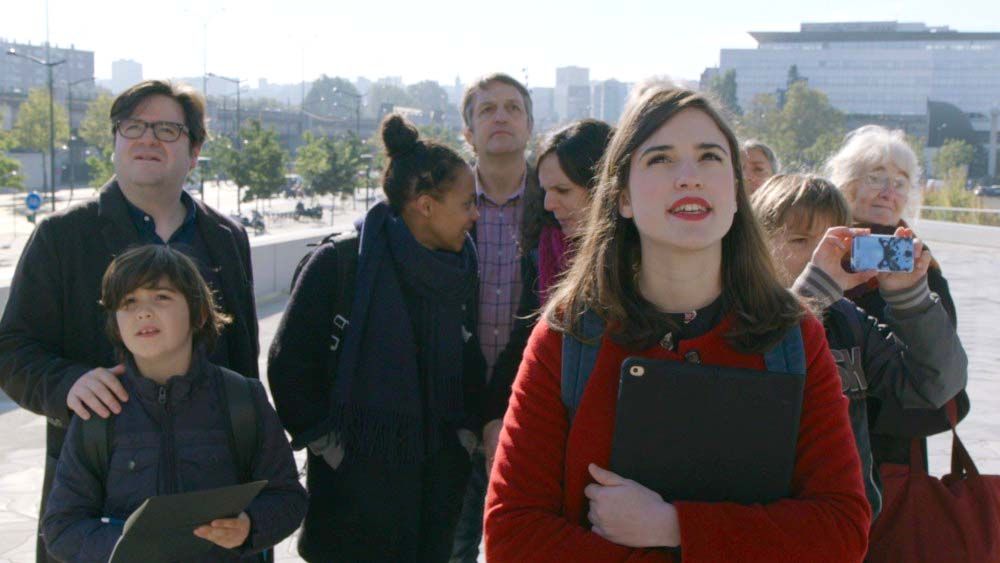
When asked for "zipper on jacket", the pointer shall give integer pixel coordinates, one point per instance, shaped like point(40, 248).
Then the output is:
point(168, 442)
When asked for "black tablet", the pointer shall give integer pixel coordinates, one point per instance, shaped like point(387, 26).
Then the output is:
point(706, 433)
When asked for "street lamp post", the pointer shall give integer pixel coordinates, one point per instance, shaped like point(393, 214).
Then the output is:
point(357, 109)
point(239, 125)
point(69, 114)
point(52, 119)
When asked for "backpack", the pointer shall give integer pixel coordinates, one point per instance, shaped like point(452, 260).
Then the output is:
point(579, 357)
point(238, 403)
point(346, 245)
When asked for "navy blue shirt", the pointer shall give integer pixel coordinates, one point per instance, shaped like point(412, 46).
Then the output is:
point(188, 240)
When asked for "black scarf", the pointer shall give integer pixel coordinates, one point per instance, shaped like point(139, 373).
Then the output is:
point(399, 375)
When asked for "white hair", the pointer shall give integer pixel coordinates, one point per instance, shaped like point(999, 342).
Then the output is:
point(870, 147)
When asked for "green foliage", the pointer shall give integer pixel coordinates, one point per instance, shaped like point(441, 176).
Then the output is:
point(804, 133)
point(10, 169)
point(31, 130)
point(793, 76)
point(95, 130)
point(329, 165)
point(260, 166)
point(954, 194)
point(221, 157)
point(380, 94)
point(955, 153)
point(917, 145)
point(428, 96)
point(446, 137)
point(724, 89)
point(331, 97)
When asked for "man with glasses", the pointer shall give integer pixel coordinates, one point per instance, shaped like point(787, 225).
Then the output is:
point(55, 359)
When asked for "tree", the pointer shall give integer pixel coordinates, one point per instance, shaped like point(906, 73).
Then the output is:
point(380, 94)
point(793, 76)
point(31, 130)
point(428, 96)
point(221, 157)
point(329, 165)
point(95, 130)
point(804, 132)
point(331, 97)
point(444, 136)
point(260, 166)
point(10, 169)
point(724, 89)
point(953, 154)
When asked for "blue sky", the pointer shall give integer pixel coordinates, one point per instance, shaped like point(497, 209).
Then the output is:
point(441, 39)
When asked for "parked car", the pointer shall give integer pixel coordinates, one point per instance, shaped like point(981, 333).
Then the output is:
point(988, 191)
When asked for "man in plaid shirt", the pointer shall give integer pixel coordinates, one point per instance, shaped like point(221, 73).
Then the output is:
point(498, 121)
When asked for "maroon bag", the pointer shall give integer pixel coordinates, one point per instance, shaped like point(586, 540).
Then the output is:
point(924, 519)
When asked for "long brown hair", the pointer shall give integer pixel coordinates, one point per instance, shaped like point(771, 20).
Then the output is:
point(602, 278)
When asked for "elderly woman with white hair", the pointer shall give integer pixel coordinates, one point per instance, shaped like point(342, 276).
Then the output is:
point(879, 174)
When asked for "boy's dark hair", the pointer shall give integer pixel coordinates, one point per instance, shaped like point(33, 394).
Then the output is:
point(416, 166)
point(144, 267)
point(191, 102)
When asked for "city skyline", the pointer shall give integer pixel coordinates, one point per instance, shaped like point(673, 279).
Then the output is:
point(305, 39)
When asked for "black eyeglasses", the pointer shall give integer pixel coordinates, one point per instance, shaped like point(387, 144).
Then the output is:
point(166, 131)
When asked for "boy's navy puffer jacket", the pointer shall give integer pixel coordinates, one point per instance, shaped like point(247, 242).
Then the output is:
point(169, 439)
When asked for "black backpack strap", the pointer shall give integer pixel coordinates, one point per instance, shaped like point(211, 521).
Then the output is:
point(343, 293)
point(242, 410)
point(97, 444)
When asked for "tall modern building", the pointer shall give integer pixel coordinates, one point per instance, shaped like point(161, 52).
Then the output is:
point(543, 107)
point(572, 94)
point(19, 75)
point(609, 100)
point(874, 68)
point(124, 74)
point(890, 73)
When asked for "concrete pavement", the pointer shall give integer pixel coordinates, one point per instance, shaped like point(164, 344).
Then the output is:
point(973, 273)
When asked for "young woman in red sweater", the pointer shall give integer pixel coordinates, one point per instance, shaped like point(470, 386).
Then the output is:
point(674, 263)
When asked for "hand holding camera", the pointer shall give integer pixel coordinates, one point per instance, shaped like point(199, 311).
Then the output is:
point(920, 261)
point(830, 254)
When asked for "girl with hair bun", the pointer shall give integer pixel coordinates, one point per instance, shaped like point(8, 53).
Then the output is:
point(388, 416)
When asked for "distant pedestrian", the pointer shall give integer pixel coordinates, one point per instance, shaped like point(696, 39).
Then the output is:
point(386, 395)
point(174, 435)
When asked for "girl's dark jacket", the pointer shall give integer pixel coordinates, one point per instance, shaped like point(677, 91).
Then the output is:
point(912, 361)
point(168, 439)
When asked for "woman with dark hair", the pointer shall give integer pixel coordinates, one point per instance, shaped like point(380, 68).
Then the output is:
point(675, 265)
point(567, 172)
point(386, 404)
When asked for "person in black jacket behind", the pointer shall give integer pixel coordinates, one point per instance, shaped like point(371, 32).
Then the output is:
point(173, 436)
point(915, 360)
point(390, 421)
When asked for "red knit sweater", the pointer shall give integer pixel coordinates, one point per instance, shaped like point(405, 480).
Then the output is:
point(536, 509)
